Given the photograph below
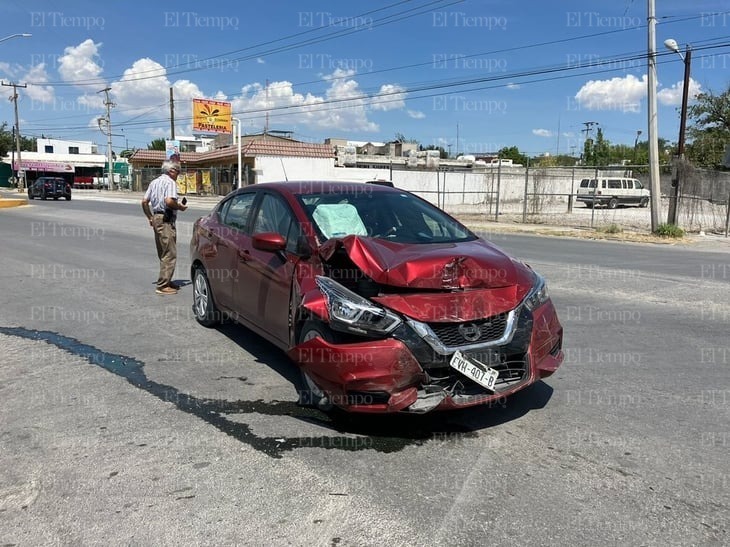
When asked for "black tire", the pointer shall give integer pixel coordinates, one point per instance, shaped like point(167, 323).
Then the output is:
point(30, 194)
point(612, 203)
point(68, 198)
point(55, 198)
point(43, 196)
point(644, 202)
point(589, 205)
point(204, 308)
point(311, 395)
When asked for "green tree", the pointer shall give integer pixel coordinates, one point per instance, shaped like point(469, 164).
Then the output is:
point(512, 153)
point(400, 137)
point(7, 141)
point(561, 160)
point(157, 144)
point(443, 154)
point(710, 129)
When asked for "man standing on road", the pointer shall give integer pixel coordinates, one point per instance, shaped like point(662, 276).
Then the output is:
point(160, 206)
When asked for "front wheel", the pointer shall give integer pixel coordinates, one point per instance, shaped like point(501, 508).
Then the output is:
point(644, 202)
point(30, 194)
point(312, 395)
point(204, 308)
point(68, 198)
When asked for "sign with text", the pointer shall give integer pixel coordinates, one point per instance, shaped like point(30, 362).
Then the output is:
point(211, 116)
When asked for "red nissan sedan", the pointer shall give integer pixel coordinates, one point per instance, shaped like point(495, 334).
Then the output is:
point(385, 302)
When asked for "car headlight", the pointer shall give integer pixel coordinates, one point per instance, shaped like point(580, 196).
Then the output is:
point(538, 294)
point(353, 312)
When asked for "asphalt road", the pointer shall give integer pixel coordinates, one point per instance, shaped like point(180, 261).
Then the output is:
point(125, 422)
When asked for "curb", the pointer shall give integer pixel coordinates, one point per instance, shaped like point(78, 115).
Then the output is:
point(7, 202)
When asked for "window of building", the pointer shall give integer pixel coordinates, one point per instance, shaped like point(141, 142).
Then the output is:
point(73, 149)
point(49, 149)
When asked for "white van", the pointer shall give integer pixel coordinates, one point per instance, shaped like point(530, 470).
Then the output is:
point(612, 192)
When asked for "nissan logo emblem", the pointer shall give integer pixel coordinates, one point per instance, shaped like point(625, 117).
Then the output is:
point(470, 331)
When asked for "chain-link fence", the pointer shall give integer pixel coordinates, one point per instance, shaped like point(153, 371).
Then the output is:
point(547, 195)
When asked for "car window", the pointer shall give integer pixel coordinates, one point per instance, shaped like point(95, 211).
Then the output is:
point(638, 185)
point(236, 213)
point(630, 184)
point(614, 183)
point(274, 215)
point(395, 216)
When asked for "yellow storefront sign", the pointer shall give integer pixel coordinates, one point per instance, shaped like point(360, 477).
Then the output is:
point(211, 116)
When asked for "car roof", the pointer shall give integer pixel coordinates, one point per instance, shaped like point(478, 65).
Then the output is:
point(300, 187)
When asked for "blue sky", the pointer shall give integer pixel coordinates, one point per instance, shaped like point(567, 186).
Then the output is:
point(471, 76)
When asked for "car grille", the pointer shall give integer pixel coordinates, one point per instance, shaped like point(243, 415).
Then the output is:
point(454, 335)
point(512, 370)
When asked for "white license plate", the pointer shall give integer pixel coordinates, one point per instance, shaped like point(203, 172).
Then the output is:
point(479, 372)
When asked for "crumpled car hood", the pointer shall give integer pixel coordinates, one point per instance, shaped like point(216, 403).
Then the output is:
point(477, 279)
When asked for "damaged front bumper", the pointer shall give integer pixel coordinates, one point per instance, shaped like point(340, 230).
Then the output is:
point(409, 373)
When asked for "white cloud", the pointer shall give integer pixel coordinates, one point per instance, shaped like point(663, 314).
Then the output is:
point(142, 87)
point(672, 96)
point(36, 91)
point(416, 114)
point(80, 63)
point(390, 97)
point(542, 132)
point(347, 112)
point(260, 61)
point(624, 94)
point(513, 86)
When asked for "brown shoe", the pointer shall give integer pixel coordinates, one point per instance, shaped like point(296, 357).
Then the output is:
point(166, 290)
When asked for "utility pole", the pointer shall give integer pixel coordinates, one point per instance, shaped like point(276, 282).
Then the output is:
point(108, 132)
point(266, 123)
point(172, 116)
point(587, 131)
point(653, 127)
point(20, 174)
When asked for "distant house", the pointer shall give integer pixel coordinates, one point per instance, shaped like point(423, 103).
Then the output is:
point(264, 158)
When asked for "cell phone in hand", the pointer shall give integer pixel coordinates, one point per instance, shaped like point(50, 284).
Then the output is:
point(184, 200)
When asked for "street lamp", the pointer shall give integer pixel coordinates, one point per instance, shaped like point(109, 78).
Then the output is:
point(672, 45)
point(19, 172)
point(23, 35)
point(238, 140)
point(636, 143)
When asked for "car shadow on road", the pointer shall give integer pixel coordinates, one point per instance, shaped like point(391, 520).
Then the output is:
point(404, 426)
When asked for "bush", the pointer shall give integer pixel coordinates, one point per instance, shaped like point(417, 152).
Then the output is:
point(610, 229)
point(669, 230)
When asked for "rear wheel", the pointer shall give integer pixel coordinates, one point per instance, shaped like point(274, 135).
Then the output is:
point(43, 195)
point(68, 198)
point(205, 310)
point(612, 203)
point(311, 394)
point(30, 194)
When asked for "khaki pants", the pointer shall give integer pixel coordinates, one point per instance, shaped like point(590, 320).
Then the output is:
point(166, 242)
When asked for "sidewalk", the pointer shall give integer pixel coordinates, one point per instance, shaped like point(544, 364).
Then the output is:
point(10, 197)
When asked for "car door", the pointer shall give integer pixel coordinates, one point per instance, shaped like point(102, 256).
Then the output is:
point(263, 297)
point(229, 235)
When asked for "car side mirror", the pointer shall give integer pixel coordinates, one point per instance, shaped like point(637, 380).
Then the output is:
point(269, 241)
